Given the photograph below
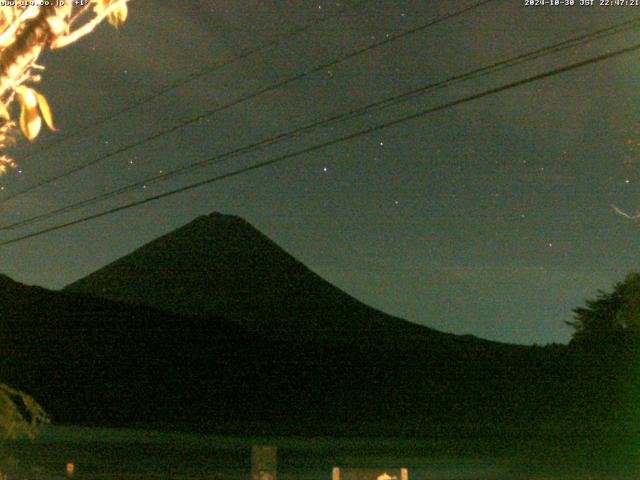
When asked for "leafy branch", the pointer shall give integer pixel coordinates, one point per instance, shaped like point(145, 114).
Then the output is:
point(19, 414)
point(25, 31)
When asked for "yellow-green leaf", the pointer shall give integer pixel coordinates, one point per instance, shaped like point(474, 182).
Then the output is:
point(4, 113)
point(30, 121)
point(100, 6)
point(45, 110)
point(119, 14)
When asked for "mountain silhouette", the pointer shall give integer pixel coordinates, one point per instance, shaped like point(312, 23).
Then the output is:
point(94, 361)
point(221, 266)
point(213, 327)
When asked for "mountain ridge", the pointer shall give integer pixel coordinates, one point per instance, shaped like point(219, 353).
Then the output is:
point(256, 338)
point(220, 265)
point(92, 361)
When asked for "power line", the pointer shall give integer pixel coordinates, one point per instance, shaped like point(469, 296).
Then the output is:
point(270, 88)
point(335, 141)
point(275, 40)
point(492, 68)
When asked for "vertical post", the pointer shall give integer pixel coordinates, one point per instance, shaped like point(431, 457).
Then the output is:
point(335, 474)
point(264, 462)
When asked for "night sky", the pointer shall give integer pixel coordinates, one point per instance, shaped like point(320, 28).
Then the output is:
point(490, 218)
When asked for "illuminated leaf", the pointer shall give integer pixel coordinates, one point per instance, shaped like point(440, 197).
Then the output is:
point(100, 6)
point(19, 413)
point(45, 110)
point(4, 113)
point(30, 121)
point(67, 8)
point(6, 17)
point(6, 163)
point(118, 16)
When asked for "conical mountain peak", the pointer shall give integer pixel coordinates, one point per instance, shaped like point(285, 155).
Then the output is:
point(221, 266)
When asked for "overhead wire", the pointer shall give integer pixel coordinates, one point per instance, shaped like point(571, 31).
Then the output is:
point(384, 103)
point(207, 70)
point(335, 141)
point(245, 98)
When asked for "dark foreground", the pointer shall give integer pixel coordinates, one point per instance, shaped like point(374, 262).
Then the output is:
point(135, 454)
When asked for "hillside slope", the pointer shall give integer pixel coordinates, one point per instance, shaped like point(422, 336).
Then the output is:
point(98, 362)
point(221, 266)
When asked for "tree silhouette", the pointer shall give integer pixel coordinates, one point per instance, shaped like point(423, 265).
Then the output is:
point(611, 317)
point(604, 353)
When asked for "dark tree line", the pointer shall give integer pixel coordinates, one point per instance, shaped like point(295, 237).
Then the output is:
point(605, 356)
point(613, 318)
